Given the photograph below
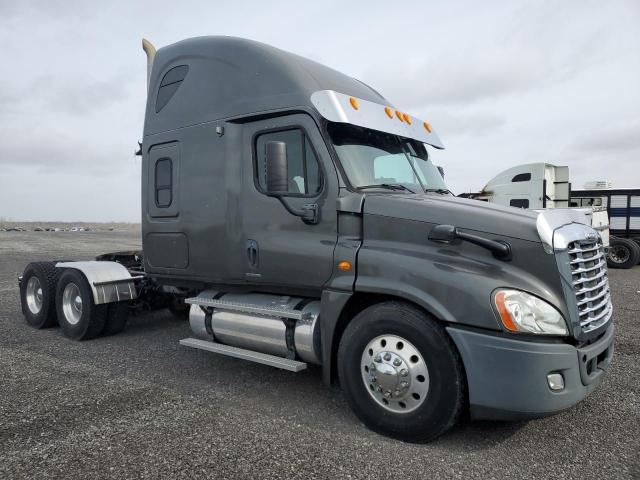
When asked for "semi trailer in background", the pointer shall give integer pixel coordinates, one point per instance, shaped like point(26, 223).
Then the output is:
point(614, 213)
point(623, 208)
point(296, 213)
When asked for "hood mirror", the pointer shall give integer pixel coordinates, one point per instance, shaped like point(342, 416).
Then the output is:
point(448, 233)
point(443, 233)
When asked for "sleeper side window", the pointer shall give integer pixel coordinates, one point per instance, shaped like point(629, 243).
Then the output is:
point(522, 177)
point(170, 84)
point(303, 170)
point(519, 202)
point(164, 182)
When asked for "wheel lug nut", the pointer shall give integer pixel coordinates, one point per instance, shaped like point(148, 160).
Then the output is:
point(374, 379)
point(397, 393)
point(397, 362)
point(378, 359)
point(387, 394)
point(404, 372)
point(387, 356)
point(379, 388)
point(404, 384)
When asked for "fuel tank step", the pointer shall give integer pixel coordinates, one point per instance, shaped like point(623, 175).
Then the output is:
point(264, 358)
point(281, 310)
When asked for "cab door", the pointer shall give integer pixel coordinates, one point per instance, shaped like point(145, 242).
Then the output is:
point(280, 249)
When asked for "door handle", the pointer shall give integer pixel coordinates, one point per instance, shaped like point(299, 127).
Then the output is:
point(310, 213)
point(252, 253)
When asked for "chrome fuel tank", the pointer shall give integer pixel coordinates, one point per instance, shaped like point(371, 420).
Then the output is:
point(258, 322)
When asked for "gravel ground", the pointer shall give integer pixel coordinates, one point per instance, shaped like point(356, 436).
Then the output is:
point(137, 405)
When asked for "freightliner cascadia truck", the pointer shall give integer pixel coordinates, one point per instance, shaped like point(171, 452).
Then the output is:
point(297, 214)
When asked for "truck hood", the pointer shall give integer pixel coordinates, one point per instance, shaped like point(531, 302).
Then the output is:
point(460, 212)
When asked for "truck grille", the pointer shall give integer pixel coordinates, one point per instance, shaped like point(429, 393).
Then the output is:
point(588, 268)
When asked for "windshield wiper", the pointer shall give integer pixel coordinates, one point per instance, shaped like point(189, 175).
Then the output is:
point(438, 190)
point(388, 186)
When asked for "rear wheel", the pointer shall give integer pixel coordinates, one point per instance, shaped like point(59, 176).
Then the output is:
point(117, 316)
point(623, 253)
point(37, 294)
point(79, 317)
point(637, 240)
point(400, 372)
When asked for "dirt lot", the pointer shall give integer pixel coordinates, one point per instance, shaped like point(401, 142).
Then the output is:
point(137, 405)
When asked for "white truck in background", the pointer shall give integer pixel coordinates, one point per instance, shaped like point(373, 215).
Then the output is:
point(539, 186)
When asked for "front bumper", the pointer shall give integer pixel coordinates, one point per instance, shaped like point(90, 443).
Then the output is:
point(507, 377)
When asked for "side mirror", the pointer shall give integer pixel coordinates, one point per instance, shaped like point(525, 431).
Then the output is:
point(278, 182)
point(276, 167)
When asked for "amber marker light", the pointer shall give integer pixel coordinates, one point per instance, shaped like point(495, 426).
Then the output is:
point(504, 313)
point(399, 115)
point(354, 103)
point(426, 126)
point(344, 266)
point(389, 112)
point(406, 118)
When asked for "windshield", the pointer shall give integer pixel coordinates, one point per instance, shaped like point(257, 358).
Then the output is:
point(376, 159)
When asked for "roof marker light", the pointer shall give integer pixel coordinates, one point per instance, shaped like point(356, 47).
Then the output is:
point(389, 112)
point(406, 118)
point(426, 126)
point(399, 115)
point(354, 103)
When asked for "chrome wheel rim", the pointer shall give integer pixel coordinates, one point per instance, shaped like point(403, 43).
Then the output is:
point(72, 303)
point(394, 373)
point(34, 295)
point(619, 254)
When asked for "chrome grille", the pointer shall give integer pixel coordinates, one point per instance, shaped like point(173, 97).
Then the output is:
point(588, 266)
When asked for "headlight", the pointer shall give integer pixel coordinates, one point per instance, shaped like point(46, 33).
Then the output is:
point(524, 313)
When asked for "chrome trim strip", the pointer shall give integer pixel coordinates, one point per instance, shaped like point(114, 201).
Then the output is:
point(596, 322)
point(595, 307)
point(590, 269)
point(591, 289)
point(593, 299)
point(588, 259)
point(590, 279)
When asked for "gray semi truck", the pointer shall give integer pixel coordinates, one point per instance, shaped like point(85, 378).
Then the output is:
point(296, 214)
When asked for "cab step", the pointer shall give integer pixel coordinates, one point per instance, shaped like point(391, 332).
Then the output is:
point(285, 309)
point(264, 358)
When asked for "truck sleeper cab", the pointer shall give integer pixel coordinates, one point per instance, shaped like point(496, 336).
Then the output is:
point(298, 214)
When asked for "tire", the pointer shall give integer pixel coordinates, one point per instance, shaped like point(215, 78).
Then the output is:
point(117, 316)
point(623, 253)
point(177, 306)
point(38, 296)
point(78, 316)
point(409, 330)
point(637, 240)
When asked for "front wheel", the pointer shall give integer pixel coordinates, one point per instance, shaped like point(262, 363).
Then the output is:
point(400, 372)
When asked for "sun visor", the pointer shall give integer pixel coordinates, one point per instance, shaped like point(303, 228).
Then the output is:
point(338, 107)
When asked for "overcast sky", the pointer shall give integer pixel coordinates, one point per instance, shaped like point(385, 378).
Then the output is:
point(502, 82)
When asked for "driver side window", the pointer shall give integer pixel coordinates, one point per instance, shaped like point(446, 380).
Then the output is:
point(303, 171)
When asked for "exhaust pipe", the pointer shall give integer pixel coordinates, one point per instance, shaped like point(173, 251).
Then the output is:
point(150, 50)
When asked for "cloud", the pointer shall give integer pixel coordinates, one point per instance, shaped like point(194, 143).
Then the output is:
point(610, 140)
